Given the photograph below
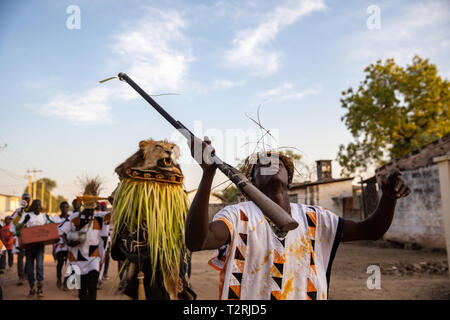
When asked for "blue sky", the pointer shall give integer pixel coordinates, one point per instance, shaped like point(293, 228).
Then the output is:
point(222, 58)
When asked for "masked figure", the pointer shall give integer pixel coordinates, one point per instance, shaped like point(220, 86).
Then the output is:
point(149, 212)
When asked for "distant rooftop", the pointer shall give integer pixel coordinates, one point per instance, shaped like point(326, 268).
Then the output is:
point(418, 158)
point(312, 183)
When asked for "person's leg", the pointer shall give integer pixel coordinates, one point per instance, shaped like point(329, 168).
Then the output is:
point(40, 263)
point(10, 258)
point(40, 269)
point(2, 262)
point(30, 269)
point(123, 270)
point(24, 271)
point(65, 276)
point(83, 291)
point(59, 264)
point(119, 267)
point(92, 285)
point(20, 264)
point(105, 271)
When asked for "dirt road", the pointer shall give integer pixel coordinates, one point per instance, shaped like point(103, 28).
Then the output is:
point(405, 274)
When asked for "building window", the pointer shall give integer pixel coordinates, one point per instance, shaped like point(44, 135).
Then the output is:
point(293, 198)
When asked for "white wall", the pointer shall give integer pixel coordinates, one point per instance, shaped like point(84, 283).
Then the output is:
point(323, 194)
point(418, 217)
point(8, 204)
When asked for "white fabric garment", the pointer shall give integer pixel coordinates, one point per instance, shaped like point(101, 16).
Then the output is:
point(13, 229)
point(35, 219)
point(88, 255)
point(61, 245)
point(257, 265)
point(107, 221)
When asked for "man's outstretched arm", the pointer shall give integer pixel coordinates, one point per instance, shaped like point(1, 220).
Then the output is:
point(376, 225)
point(199, 233)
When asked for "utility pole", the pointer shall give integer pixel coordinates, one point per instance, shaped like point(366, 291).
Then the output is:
point(29, 185)
point(34, 171)
point(49, 202)
point(42, 193)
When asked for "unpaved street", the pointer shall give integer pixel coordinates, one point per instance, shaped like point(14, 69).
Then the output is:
point(405, 274)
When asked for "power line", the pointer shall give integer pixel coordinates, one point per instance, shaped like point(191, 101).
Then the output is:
point(14, 150)
point(12, 185)
point(12, 175)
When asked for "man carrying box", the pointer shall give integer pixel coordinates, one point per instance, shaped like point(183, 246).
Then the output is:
point(31, 219)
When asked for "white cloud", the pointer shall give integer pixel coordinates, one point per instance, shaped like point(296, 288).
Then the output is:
point(250, 46)
point(420, 28)
point(226, 84)
point(154, 51)
point(286, 92)
point(91, 107)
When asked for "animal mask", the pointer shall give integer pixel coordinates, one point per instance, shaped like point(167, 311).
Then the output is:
point(154, 161)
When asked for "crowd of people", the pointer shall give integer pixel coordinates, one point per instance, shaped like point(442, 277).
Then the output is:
point(88, 258)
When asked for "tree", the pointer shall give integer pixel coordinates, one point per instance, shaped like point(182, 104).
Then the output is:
point(230, 194)
point(291, 154)
point(394, 111)
point(49, 186)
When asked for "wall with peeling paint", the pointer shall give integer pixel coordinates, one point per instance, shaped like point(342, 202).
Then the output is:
point(418, 217)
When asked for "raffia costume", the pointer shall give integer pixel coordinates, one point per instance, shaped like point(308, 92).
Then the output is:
point(149, 212)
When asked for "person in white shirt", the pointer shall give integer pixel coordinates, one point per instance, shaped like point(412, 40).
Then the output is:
point(34, 254)
point(60, 248)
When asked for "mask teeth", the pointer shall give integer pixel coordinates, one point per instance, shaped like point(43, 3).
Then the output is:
point(167, 161)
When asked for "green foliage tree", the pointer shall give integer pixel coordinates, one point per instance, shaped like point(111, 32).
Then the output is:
point(50, 185)
point(291, 154)
point(394, 111)
point(230, 194)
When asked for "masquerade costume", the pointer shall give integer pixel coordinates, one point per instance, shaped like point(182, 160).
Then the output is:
point(149, 212)
point(92, 232)
point(60, 249)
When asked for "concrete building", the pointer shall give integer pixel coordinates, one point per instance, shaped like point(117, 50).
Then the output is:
point(419, 217)
point(336, 195)
point(8, 203)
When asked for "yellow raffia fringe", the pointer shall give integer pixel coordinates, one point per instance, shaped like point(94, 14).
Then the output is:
point(163, 207)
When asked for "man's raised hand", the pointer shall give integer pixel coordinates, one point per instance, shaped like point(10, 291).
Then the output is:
point(202, 151)
point(394, 187)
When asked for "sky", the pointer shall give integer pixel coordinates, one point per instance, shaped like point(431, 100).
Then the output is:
point(221, 60)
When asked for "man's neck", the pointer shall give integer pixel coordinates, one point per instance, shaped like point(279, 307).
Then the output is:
point(279, 195)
